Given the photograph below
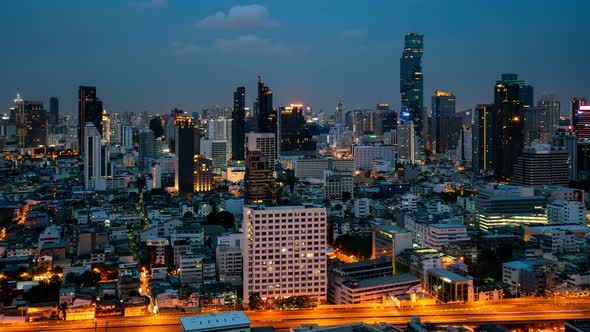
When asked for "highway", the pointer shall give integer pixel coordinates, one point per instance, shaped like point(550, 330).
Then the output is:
point(514, 310)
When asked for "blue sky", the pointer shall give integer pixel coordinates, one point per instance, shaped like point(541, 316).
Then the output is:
point(153, 55)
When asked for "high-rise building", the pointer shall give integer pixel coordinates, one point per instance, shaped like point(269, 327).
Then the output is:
point(411, 80)
point(266, 143)
point(89, 110)
point(406, 142)
point(541, 164)
point(267, 117)
point(216, 150)
point(364, 155)
point(36, 121)
point(582, 127)
point(443, 116)
point(238, 125)
point(538, 123)
point(127, 137)
point(576, 103)
point(483, 139)
point(53, 112)
point(295, 137)
point(509, 125)
point(96, 159)
point(292, 261)
point(382, 120)
point(185, 150)
point(203, 169)
point(259, 184)
point(550, 103)
point(568, 141)
point(339, 115)
point(465, 144)
point(149, 149)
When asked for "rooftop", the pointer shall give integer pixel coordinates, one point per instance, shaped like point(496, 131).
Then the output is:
point(214, 321)
point(393, 279)
point(453, 277)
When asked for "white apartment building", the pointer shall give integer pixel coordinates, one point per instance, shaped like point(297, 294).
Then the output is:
point(435, 235)
point(265, 142)
point(337, 183)
point(566, 212)
point(284, 251)
point(195, 269)
point(362, 207)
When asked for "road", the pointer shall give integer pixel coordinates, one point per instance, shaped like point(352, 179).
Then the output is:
point(515, 310)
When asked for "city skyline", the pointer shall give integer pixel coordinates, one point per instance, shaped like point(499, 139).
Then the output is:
point(155, 55)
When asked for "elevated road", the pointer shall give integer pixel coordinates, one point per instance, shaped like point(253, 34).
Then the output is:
point(517, 310)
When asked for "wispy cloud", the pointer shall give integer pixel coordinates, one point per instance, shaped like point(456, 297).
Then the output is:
point(149, 4)
point(353, 33)
point(238, 17)
point(248, 45)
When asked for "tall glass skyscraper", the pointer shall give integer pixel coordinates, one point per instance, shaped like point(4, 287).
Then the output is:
point(89, 110)
point(411, 81)
point(443, 118)
point(238, 127)
point(267, 117)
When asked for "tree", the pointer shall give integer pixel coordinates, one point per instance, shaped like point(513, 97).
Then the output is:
point(346, 196)
point(255, 301)
point(223, 218)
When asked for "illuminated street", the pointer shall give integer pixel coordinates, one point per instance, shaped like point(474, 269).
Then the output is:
point(509, 311)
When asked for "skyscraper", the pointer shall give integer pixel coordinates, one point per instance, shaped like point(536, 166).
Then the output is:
point(552, 105)
point(443, 118)
point(149, 149)
point(339, 115)
point(411, 80)
point(266, 143)
point(541, 164)
point(185, 150)
point(95, 159)
point(483, 139)
point(509, 125)
point(89, 110)
point(568, 141)
point(267, 117)
point(53, 112)
point(576, 103)
point(259, 184)
point(203, 169)
point(238, 129)
point(295, 138)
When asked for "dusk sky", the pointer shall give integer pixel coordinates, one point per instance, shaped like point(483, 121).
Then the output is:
point(153, 55)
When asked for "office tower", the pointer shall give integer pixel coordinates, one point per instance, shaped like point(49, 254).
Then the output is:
point(220, 129)
point(541, 164)
point(185, 150)
point(266, 143)
point(53, 112)
point(576, 103)
point(203, 169)
point(339, 115)
point(259, 184)
point(509, 125)
point(411, 80)
point(127, 137)
point(537, 124)
point(17, 112)
point(267, 117)
point(406, 142)
point(443, 117)
point(294, 259)
point(508, 206)
point(216, 150)
point(361, 123)
point(568, 141)
point(238, 124)
point(483, 139)
point(89, 110)
point(36, 122)
point(95, 159)
point(149, 148)
point(382, 120)
point(465, 144)
point(295, 137)
point(582, 127)
point(550, 103)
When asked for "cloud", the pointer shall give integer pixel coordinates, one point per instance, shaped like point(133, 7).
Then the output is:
point(250, 16)
point(149, 4)
point(248, 45)
point(353, 34)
